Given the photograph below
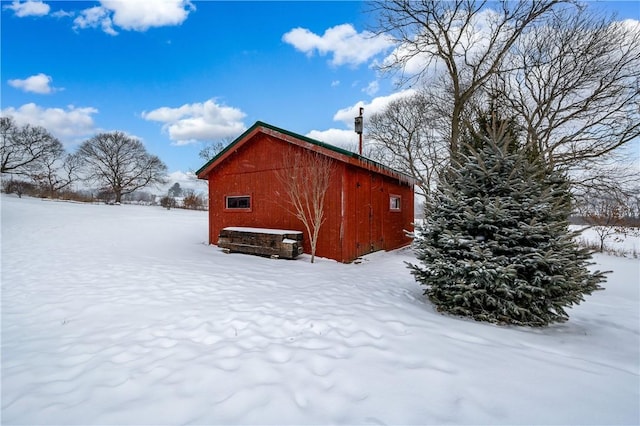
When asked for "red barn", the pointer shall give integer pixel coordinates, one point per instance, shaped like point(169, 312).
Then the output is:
point(368, 206)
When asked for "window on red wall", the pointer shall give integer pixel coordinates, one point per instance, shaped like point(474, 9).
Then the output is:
point(395, 203)
point(237, 202)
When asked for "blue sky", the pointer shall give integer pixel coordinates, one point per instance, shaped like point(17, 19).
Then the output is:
point(177, 73)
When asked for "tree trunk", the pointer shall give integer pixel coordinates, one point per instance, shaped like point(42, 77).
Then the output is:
point(455, 130)
point(313, 252)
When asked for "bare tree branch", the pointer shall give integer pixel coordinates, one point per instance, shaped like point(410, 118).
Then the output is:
point(466, 37)
point(56, 172)
point(21, 148)
point(403, 137)
point(571, 79)
point(575, 87)
point(212, 149)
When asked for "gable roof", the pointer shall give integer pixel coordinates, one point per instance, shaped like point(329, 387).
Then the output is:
point(308, 143)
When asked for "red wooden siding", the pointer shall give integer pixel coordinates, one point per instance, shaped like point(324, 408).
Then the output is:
point(358, 219)
point(371, 225)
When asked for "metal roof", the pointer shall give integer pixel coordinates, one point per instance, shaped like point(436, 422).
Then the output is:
point(356, 159)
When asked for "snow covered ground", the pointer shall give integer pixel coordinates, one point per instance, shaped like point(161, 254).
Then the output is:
point(625, 245)
point(124, 315)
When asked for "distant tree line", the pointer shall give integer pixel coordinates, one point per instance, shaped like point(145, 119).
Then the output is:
point(33, 162)
point(183, 198)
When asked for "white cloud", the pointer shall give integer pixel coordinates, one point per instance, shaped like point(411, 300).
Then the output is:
point(632, 25)
point(345, 139)
point(346, 115)
point(95, 17)
point(412, 63)
point(39, 83)
point(345, 44)
point(134, 15)
point(69, 125)
point(29, 8)
point(372, 88)
point(335, 83)
point(62, 14)
point(142, 15)
point(198, 121)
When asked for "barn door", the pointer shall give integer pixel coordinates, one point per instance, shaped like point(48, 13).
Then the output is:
point(378, 204)
point(369, 210)
point(364, 214)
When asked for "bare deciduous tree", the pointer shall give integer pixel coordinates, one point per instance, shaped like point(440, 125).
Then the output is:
point(192, 200)
point(305, 177)
point(168, 201)
point(19, 187)
point(466, 38)
point(574, 85)
point(605, 215)
point(22, 147)
point(403, 137)
point(120, 163)
point(569, 78)
point(56, 171)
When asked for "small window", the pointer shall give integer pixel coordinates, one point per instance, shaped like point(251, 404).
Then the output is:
point(242, 202)
point(395, 203)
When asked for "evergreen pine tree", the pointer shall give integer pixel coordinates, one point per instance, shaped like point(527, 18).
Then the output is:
point(496, 246)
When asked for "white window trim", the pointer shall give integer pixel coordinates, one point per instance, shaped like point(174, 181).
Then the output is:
point(229, 197)
point(398, 200)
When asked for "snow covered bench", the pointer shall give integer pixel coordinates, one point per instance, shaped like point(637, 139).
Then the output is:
point(261, 241)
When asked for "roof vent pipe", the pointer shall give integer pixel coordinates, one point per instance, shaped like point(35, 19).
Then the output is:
point(358, 128)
